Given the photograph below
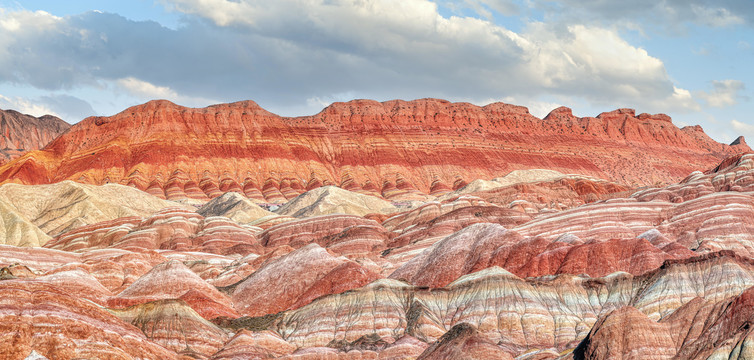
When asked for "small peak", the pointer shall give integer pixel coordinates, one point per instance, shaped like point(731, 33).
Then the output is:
point(504, 108)
point(617, 113)
point(246, 106)
point(692, 128)
point(662, 117)
point(423, 101)
point(658, 117)
point(6, 274)
point(351, 107)
point(149, 106)
point(559, 113)
point(159, 103)
point(739, 141)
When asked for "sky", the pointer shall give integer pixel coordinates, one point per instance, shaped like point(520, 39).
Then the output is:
point(690, 59)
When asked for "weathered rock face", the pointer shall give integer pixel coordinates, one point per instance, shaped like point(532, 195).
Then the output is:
point(543, 267)
point(517, 314)
point(20, 133)
point(316, 271)
point(399, 149)
point(463, 341)
point(39, 316)
point(68, 205)
point(250, 345)
point(333, 200)
point(234, 206)
point(175, 326)
point(342, 234)
point(699, 329)
point(172, 228)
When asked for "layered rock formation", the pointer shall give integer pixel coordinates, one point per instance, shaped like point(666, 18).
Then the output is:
point(333, 200)
point(20, 133)
point(401, 150)
point(171, 228)
point(534, 265)
point(56, 208)
point(39, 316)
point(697, 330)
point(234, 206)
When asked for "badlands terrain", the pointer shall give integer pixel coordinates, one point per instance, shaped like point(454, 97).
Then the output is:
point(398, 230)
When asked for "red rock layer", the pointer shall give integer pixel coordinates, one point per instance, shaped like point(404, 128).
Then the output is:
point(20, 133)
point(704, 213)
point(175, 326)
point(700, 329)
point(400, 149)
point(343, 234)
point(37, 315)
point(252, 345)
point(463, 341)
point(553, 195)
point(171, 228)
point(316, 271)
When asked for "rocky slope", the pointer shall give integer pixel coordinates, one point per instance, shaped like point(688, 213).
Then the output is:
point(401, 150)
point(31, 214)
point(543, 267)
point(20, 133)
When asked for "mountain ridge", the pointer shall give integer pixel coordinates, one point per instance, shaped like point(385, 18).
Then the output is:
point(395, 149)
point(20, 133)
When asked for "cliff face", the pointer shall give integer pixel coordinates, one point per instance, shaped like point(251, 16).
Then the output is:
point(395, 147)
point(20, 133)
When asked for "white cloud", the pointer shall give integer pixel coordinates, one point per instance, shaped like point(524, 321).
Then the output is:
point(716, 17)
point(724, 93)
point(25, 106)
point(147, 91)
point(680, 100)
point(505, 7)
point(13, 21)
point(472, 56)
point(143, 89)
point(742, 127)
point(293, 53)
point(670, 14)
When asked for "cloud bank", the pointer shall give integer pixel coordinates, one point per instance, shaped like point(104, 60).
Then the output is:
point(289, 51)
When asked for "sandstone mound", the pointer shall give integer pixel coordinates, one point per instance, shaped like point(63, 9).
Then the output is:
point(343, 234)
point(169, 280)
point(249, 345)
point(81, 328)
point(67, 205)
point(454, 256)
point(234, 206)
point(16, 229)
point(512, 178)
point(174, 325)
point(295, 280)
point(463, 341)
point(170, 229)
point(333, 200)
point(697, 330)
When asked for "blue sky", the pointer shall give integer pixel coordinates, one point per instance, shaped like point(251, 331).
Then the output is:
point(690, 59)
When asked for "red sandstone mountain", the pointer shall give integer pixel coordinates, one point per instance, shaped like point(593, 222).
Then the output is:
point(20, 133)
point(398, 149)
